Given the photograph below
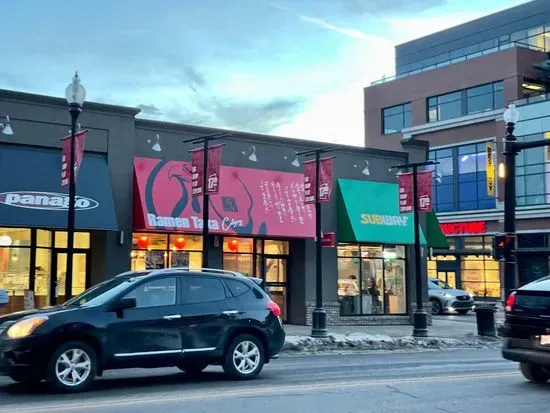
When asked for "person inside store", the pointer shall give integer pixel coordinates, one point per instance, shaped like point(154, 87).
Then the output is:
point(351, 296)
point(371, 297)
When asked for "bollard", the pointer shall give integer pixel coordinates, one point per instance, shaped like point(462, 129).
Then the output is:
point(485, 318)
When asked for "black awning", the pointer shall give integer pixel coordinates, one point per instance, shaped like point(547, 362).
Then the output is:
point(31, 194)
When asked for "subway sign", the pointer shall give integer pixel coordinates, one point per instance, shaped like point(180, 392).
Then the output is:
point(460, 228)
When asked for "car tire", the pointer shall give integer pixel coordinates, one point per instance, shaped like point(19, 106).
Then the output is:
point(193, 368)
point(462, 312)
point(534, 373)
point(79, 361)
point(437, 308)
point(244, 358)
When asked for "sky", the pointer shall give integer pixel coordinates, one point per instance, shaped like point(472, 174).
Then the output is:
point(294, 68)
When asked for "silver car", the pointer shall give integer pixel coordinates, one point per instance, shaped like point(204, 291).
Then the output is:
point(445, 299)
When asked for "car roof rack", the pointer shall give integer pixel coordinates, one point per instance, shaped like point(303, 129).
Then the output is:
point(189, 269)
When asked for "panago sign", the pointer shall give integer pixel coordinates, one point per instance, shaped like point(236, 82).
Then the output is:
point(45, 201)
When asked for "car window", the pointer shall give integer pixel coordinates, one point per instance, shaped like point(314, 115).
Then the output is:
point(432, 285)
point(156, 293)
point(237, 288)
point(203, 290)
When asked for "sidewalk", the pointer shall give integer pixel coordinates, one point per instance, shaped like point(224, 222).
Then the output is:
point(446, 332)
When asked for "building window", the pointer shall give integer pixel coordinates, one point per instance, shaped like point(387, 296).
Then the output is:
point(155, 251)
point(396, 118)
point(466, 102)
point(460, 179)
point(531, 174)
point(480, 275)
point(371, 279)
point(238, 255)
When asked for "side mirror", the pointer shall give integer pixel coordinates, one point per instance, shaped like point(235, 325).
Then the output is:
point(124, 304)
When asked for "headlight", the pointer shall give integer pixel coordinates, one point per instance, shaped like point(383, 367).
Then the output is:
point(26, 327)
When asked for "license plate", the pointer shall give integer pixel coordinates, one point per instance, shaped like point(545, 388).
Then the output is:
point(545, 340)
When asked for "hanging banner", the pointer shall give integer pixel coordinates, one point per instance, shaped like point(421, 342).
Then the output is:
point(197, 171)
point(214, 162)
point(310, 182)
point(424, 187)
point(66, 156)
point(405, 184)
point(325, 179)
point(490, 170)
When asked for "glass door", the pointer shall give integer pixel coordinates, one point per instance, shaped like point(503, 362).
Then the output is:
point(448, 276)
point(58, 281)
point(276, 281)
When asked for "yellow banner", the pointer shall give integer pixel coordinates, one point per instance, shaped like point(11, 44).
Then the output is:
point(490, 170)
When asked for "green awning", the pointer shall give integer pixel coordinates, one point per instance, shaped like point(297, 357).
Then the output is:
point(369, 212)
point(435, 237)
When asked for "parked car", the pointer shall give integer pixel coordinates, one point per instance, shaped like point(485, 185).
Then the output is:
point(445, 299)
point(526, 329)
point(172, 317)
point(4, 298)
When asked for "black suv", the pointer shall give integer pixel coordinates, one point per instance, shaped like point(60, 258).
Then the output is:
point(527, 329)
point(161, 318)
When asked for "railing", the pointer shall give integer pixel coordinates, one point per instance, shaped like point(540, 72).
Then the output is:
point(526, 43)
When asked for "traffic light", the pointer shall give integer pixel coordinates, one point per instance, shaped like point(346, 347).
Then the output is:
point(502, 244)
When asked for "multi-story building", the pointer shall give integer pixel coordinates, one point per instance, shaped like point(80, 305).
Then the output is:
point(450, 90)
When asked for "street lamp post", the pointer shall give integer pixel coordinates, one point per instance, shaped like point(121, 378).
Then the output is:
point(420, 317)
point(205, 140)
point(319, 315)
point(76, 95)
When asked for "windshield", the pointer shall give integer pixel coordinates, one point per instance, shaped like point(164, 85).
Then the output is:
point(102, 292)
point(438, 285)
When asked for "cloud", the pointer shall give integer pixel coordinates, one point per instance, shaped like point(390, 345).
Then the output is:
point(382, 7)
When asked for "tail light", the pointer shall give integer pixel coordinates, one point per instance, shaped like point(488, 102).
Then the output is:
point(274, 308)
point(510, 302)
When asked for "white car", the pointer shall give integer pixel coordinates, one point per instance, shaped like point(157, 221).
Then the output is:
point(445, 299)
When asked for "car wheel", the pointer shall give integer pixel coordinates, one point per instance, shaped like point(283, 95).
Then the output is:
point(244, 358)
point(72, 367)
point(436, 306)
point(462, 312)
point(193, 368)
point(534, 373)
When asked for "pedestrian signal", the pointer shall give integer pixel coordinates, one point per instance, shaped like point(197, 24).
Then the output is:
point(502, 245)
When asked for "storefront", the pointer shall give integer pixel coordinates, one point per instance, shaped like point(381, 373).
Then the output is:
point(255, 217)
point(468, 264)
point(33, 215)
point(374, 251)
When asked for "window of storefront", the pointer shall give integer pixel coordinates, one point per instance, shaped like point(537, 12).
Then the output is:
point(466, 102)
point(154, 251)
point(461, 179)
point(29, 256)
point(372, 279)
point(238, 255)
point(531, 175)
point(396, 118)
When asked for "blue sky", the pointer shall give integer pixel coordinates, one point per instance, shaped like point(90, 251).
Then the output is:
point(288, 67)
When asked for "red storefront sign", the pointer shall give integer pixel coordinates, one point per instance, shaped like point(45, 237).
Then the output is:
point(66, 156)
point(197, 171)
point(325, 179)
point(328, 239)
point(250, 201)
point(213, 170)
point(424, 186)
point(459, 228)
point(405, 184)
point(424, 191)
point(310, 182)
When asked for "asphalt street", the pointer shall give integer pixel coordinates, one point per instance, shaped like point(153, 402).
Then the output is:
point(445, 381)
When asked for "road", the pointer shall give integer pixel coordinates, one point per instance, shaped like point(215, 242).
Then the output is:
point(443, 381)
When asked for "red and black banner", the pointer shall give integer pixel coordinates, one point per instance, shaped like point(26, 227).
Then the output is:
point(66, 156)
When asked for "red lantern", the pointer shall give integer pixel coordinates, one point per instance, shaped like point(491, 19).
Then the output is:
point(233, 245)
point(143, 242)
point(179, 243)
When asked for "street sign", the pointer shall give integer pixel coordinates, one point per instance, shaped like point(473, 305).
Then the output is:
point(490, 170)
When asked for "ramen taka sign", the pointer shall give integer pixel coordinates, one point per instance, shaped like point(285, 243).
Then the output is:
point(45, 201)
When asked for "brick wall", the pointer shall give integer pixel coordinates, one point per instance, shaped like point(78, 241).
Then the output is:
point(335, 319)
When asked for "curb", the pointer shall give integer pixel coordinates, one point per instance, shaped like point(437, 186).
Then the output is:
point(340, 343)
